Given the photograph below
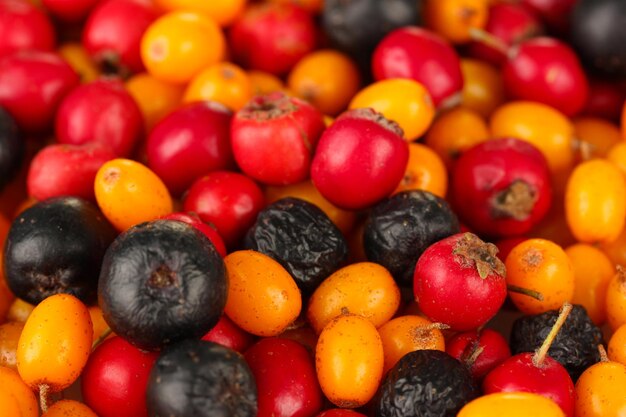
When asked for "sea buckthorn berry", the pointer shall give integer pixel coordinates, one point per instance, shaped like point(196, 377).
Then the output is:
point(69, 408)
point(76, 56)
point(263, 299)
point(455, 19)
point(223, 82)
point(349, 360)
point(616, 300)
point(19, 311)
point(483, 88)
point(365, 288)
point(55, 343)
point(404, 101)
point(264, 82)
point(596, 134)
point(224, 12)
point(406, 334)
point(541, 266)
point(273, 138)
point(454, 132)
point(595, 201)
point(425, 171)
point(616, 250)
point(12, 384)
point(617, 345)
point(360, 159)
point(9, 336)
point(181, 37)
point(9, 404)
point(327, 79)
point(592, 272)
point(129, 193)
point(617, 155)
point(155, 98)
point(600, 390)
point(511, 404)
point(313, 6)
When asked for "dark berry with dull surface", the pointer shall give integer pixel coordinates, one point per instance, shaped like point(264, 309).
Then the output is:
point(301, 238)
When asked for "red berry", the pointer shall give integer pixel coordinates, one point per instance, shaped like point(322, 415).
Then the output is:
point(272, 37)
point(101, 112)
point(229, 200)
point(506, 245)
point(286, 379)
point(340, 412)
point(359, 160)
point(459, 281)
point(547, 71)
point(112, 34)
point(115, 378)
point(32, 85)
point(228, 334)
point(66, 170)
point(480, 350)
point(273, 138)
point(24, 27)
point(605, 99)
point(189, 143)
point(501, 187)
point(70, 10)
point(423, 56)
point(555, 13)
point(208, 230)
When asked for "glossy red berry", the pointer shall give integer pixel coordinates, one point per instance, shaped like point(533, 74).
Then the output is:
point(66, 170)
point(340, 412)
point(285, 377)
point(32, 85)
point(459, 281)
point(480, 351)
point(208, 230)
point(554, 12)
point(501, 187)
point(272, 37)
point(359, 160)
point(228, 334)
point(115, 378)
point(605, 99)
point(189, 143)
point(273, 138)
point(70, 10)
point(100, 112)
point(229, 200)
point(24, 27)
point(548, 71)
point(423, 56)
point(112, 34)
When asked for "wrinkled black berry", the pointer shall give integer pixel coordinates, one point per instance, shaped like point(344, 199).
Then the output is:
point(56, 247)
point(400, 228)
point(575, 346)
point(598, 33)
point(162, 282)
point(195, 378)
point(299, 236)
point(11, 148)
point(425, 383)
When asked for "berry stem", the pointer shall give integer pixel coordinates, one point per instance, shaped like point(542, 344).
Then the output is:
point(472, 355)
point(603, 355)
point(43, 397)
point(525, 291)
point(488, 39)
point(103, 336)
point(542, 352)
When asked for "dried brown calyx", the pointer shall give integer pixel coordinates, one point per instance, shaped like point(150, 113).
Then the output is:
point(516, 201)
point(472, 251)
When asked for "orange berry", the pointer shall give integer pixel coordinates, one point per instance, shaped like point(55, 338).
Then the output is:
point(155, 98)
point(224, 82)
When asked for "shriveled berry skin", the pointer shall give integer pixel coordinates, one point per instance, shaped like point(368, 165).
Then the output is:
point(400, 228)
point(301, 238)
point(11, 148)
point(425, 383)
point(57, 246)
point(196, 378)
point(161, 282)
point(575, 346)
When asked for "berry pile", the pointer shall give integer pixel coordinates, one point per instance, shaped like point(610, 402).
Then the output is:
point(312, 208)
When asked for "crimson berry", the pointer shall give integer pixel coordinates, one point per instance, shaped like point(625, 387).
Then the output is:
point(66, 170)
point(286, 378)
point(32, 84)
point(70, 10)
point(208, 230)
point(229, 200)
point(423, 56)
point(503, 187)
point(510, 24)
point(112, 34)
point(189, 143)
point(273, 138)
point(548, 71)
point(459, 281)
point(340, 412)
point(605, 99)
point(359, 160)
point(555, 13)
point(480, 351)
point(115, 379)
point(24, 27)
point(228, 334)
point(101, 112)
point(506, 245)
point(272, 37)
